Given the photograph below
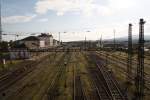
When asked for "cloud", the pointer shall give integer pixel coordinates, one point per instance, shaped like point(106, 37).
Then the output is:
point(43, 20)
point(85, 7)
point(17, 19)
point(120, 3)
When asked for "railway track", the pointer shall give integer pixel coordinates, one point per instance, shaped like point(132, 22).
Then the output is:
point(53, 90)
point(79, 92)
point(107, 86)
point(123, 60)
point(11, 78)
point(115, 60)
point(100, 89)
point(78, 89)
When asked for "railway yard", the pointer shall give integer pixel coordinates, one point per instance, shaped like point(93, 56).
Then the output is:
point(74, 50)
point(94, 75)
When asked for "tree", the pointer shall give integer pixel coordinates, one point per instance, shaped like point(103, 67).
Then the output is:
point(4, 45)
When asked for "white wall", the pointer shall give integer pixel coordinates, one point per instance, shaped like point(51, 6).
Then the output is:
point(51, 41)
point(42, 44)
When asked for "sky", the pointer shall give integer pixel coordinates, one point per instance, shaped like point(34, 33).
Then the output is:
point(74, 19)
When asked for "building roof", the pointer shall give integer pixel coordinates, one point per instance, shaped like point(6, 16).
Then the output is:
point(45, 35)
point(31, 38)
point(20, 46)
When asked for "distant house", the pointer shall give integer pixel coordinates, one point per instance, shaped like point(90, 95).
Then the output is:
point(32, 42)
point(47, 38)
point(37, 42)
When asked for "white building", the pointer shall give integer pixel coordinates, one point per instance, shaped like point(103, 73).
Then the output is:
point(47, 38)
point(36, 42)
point(42, 44)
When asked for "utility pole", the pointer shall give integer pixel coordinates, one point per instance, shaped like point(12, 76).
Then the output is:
point(140, 67)
point(130, 52)
point(114, 39)
point(85, 42)
point(0, 22)
point(101, 42)
point(59, 36)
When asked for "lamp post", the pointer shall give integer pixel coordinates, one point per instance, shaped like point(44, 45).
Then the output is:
point(86, 40)
point(59, 36)
point(85, 43)
point(114, 39)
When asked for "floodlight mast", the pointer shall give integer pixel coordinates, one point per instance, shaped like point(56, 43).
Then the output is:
point(130, 51)
point(140, 67)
